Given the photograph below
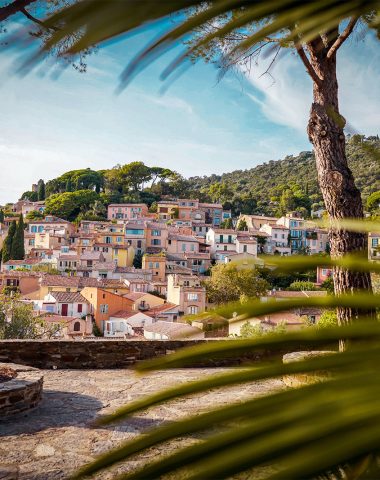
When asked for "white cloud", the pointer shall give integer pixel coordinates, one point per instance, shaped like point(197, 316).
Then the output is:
point(168, 101)
point(285, 96)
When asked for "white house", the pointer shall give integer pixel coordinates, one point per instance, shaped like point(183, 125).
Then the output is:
point(162, 330)
point(278, 240)
point(66, 304)
point(221, 241)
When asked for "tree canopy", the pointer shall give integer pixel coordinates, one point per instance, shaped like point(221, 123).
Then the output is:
point(229, 283)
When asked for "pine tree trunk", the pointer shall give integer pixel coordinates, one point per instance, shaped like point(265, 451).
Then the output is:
point(342, 198)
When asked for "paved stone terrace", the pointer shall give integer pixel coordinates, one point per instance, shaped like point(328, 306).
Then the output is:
point(53, 440)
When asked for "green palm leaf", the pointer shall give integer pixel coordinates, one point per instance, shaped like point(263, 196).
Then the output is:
point(311, 338)
point(95, 21)
point(334, 400)
point(269, 423)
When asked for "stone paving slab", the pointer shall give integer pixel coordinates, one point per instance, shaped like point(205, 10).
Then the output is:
point(56, 438)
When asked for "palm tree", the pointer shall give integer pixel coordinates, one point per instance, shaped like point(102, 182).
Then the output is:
point(315, 30)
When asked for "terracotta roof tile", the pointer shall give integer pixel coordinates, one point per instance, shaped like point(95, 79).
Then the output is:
point(68, 297)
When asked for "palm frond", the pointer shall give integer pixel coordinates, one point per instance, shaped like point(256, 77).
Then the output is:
point(96, 21)
point(355, 262)
point(347, 401)
point(359, 331)
point(329, 362)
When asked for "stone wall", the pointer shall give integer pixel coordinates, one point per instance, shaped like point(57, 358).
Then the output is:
point(108, 353)
point(22, 392)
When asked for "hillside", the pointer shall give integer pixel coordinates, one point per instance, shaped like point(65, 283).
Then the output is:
point(272, 188)
point(265, 183)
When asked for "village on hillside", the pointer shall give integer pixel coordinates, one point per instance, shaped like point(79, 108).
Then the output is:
point(143, 275)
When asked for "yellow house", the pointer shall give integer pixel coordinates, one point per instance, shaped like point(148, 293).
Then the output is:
point(124, 255)
point(58, 283)
point(157, 265)
point(144, 301)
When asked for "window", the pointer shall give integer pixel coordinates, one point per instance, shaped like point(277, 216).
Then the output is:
point(156, 241)
point(80, 307)
point(33, 229)
point(119, 239)
point(192, 296)
point(192, 310)
point(134, 231)
point(184, 247)
point(225, 248)
point(244, 248)
point(157, 265)
point(192, 247)
point(103, 308)
point(156, 233)
point(375, 242)
point(108, 239)
point(324, 271)
point(77, 327)
point(150, 264)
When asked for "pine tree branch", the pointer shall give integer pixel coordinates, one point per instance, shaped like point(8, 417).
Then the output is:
point(310, 70)
point(36, 20)
point(342, 37)
point(13, 8)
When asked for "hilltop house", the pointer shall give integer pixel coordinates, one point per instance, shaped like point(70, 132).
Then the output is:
point(186, 292)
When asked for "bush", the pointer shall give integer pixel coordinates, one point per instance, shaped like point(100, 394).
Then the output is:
point(303, 286)
point(327, 319)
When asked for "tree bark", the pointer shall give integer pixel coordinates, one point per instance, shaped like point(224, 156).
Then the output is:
point(341, 196)
point(13, 7)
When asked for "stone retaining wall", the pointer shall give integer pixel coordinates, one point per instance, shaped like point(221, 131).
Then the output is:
point(301, 379)
point(22, 392)
point(109, 353)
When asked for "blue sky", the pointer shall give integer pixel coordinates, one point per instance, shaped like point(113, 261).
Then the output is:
point(198, 127)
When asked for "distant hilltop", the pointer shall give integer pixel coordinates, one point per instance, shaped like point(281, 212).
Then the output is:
point(272, 188)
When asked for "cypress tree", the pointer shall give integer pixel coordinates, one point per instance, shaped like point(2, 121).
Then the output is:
point(18, 249)
point(1, 216)
point(69, 185)
point(7, 246)
point(242, 225)
point(41, 190)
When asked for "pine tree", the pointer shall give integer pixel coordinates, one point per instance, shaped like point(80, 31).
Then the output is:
point(7, 246)
point(18, 249)
point(41, 190)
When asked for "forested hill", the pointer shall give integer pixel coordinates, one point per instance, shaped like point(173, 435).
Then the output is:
point(266, 183)
point(273, 188)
